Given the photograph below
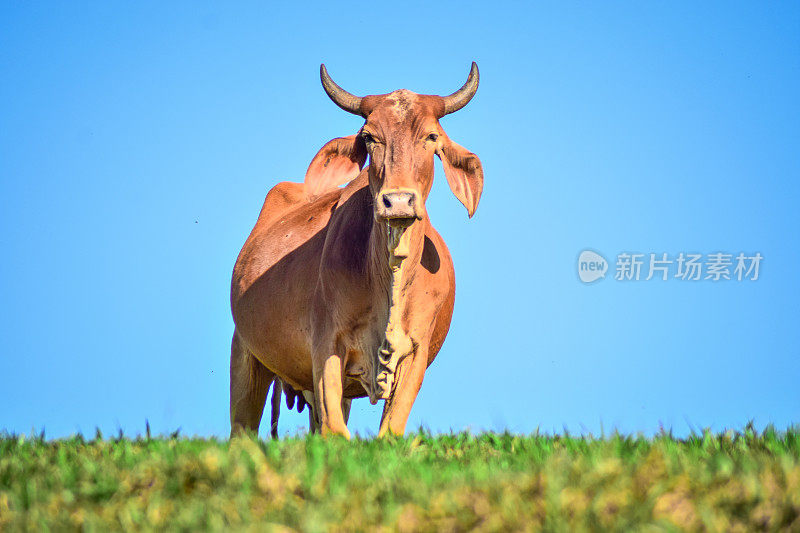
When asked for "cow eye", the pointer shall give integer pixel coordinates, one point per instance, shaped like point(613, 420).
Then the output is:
point(433, 137)
point(368, 138)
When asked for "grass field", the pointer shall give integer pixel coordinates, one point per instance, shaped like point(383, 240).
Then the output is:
point(490, 482)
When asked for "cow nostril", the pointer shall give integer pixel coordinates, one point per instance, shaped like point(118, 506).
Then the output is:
point(387, 202)
point(411, 200)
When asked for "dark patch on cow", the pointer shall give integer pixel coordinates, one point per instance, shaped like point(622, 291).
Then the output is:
point(430, 257)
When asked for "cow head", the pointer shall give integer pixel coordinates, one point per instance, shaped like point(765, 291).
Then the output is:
point(401, 134)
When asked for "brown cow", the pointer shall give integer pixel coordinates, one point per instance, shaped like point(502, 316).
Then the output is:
point(348, 292)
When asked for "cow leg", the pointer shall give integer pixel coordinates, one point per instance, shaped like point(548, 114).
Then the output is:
point(408, 377)
point(346, 409)
point(313, 423)
point(250, 381)
point(277, 393)
point(313, 419)
point(328, 393)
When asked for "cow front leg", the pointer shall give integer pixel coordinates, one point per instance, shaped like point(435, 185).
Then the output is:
point(313, 421)
point(328, 395)
point(408, 378)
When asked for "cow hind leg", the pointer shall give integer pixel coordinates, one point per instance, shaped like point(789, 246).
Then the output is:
point(250, 381)
point(313, 415)
point(277, 390)
point(346, 409)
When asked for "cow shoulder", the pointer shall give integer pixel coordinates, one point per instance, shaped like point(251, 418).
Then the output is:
point(347, 239)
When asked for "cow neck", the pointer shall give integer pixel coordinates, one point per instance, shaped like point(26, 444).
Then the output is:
point(395, 253)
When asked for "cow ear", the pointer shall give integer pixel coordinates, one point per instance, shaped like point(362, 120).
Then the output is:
point(464, 173)
point(336, 163)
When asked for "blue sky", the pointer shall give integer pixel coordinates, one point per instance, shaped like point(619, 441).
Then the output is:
point(137, 142)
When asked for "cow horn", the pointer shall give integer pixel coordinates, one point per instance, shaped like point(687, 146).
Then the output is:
point(349, 102)
point(461, 97)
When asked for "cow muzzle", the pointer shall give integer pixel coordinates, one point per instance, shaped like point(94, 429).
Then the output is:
point(398, 206)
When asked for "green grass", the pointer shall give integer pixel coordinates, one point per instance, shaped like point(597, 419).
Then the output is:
point(492, 482)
